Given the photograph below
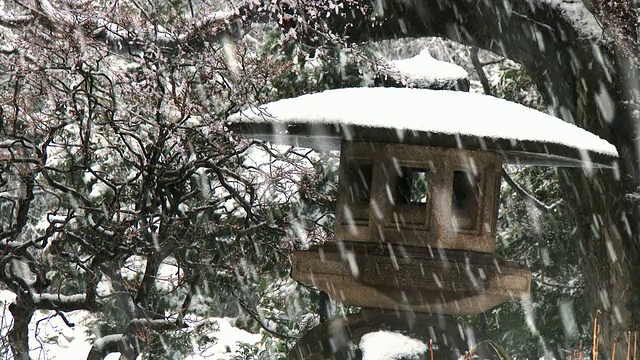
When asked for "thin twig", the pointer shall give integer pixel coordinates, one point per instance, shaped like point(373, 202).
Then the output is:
point(635, 344)
point(628, 345)
point(431, 348)
point(594, 347)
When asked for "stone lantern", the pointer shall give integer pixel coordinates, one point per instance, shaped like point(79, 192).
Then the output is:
point(419, 186)
point(417, 227)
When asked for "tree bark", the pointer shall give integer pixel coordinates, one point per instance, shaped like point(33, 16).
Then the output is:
point(19, 333)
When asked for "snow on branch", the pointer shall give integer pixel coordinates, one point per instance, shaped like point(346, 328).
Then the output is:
point(113, 343)
point(60, 302)
point(104, 346)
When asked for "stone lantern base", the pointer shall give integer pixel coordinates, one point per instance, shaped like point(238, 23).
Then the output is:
point(416, 279)
point(340, 338)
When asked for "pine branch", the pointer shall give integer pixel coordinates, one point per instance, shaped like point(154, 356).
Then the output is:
point(528, 198)
point(256, 317)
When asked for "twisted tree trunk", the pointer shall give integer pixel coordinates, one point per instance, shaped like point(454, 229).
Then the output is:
point(19, 333)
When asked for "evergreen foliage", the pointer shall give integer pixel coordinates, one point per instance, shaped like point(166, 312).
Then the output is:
point(553, 321)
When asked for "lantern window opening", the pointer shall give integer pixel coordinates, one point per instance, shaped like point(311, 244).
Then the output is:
point(358, 174)
point(359, 180)
point(412, 187)
point(466, 200)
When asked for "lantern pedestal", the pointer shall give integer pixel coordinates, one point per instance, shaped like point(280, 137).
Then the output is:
point(340, 338)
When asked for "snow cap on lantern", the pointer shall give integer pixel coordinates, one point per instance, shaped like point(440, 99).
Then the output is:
point(424, 72)
point(419, 190)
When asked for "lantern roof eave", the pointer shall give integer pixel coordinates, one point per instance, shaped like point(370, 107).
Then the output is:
point(424, 117)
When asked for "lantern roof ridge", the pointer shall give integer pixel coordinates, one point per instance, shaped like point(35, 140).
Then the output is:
point(424, 117)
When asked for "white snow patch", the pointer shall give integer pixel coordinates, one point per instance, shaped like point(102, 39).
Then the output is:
point(104, 287)
point(6, 320)
point(47, 220)
point(423, 70)
point(7, 296)
point(227, 345)
point(169, 274)
point(99, 189)
point(58, 340)
point(431, 111)
point(51, 338)
point(133, 267)
point(387, 345)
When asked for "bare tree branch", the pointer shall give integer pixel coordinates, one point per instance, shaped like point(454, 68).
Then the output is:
point(479, 67)
point(61, 302)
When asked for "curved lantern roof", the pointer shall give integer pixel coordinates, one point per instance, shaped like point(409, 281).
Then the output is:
point(424, 117)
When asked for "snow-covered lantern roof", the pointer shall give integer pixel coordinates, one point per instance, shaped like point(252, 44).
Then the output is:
point(425, 117)
point(419, 190)
point(424, 72)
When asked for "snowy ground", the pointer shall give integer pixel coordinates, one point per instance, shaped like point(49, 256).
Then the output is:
point(52, 339)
